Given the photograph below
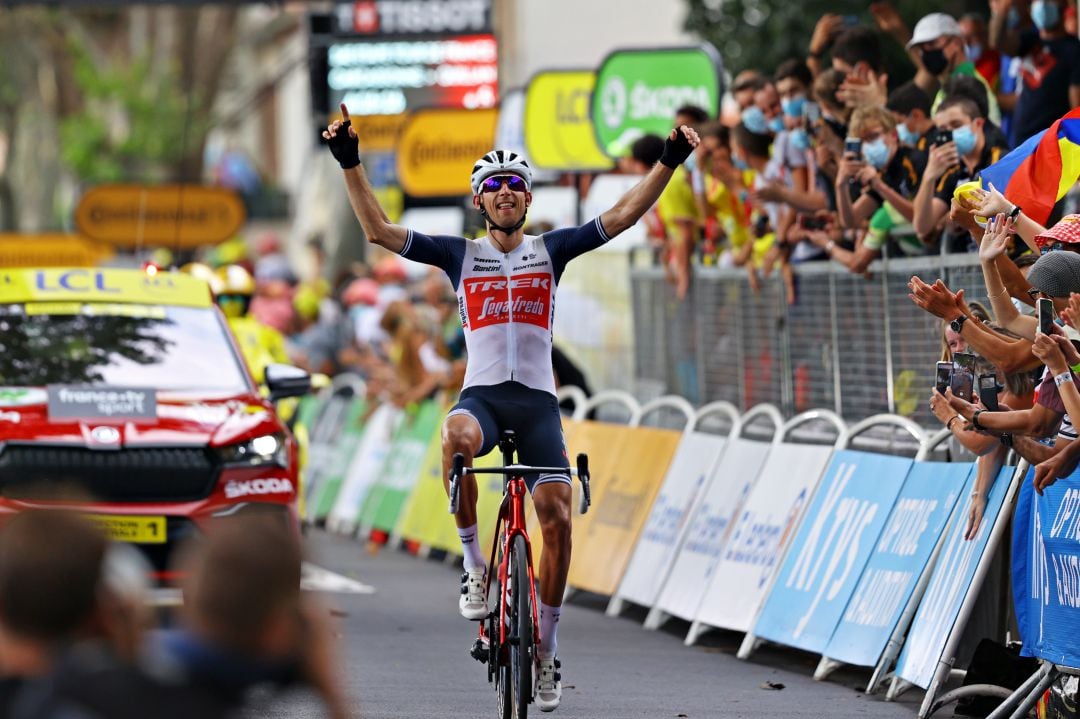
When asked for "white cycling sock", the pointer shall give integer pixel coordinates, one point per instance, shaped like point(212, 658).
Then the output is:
point(471, 547)
point(549, 626)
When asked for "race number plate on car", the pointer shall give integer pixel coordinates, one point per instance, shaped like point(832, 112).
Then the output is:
point(132, 528)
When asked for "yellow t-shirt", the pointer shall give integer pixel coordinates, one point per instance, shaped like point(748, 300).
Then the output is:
point(677, 203)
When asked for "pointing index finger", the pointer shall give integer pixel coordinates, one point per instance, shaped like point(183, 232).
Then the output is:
point(344, 112)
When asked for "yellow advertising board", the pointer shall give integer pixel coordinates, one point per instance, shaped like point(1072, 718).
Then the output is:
point(558, 125)
point(50, 250)
point(379, 133)
point(174, 216)
point(81, 284)
point(438, 149)
point(605, 538)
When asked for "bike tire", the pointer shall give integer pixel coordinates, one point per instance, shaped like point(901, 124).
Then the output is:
point(499, 653)
point(522, 652)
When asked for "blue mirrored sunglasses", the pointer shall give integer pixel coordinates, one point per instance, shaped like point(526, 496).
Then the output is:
point(495, 183)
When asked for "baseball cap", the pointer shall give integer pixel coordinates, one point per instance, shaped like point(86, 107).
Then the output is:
point(1056, 273)
point(933, 26)
point(1067, 230)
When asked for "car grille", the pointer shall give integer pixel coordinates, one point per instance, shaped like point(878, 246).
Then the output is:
point(156, 474)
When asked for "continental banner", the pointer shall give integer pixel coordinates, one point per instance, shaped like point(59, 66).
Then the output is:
point(438, 149)
point(401, 467)
point(623, 493)
point(685, 484)
point(728, 487)
point(558, 125)
point(765, 527)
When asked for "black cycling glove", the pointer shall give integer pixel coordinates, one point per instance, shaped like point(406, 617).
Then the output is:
point(676, 151)
point(344, 147)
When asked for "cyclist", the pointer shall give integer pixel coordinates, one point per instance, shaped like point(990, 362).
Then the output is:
point(505, 284)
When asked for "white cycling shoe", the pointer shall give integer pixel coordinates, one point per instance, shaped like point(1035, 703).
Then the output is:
point(548, 692)
point(473, 603)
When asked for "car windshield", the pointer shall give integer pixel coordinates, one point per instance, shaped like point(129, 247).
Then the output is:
point(164, 348)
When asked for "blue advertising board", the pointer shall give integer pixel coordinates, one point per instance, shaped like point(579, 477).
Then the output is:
point(1050, 624)
point(950, 583)
point(835, 539)
point(912, 531)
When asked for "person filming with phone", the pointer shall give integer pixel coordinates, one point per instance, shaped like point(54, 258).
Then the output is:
point(958, 153)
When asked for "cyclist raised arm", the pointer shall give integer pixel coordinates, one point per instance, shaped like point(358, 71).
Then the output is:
point(345, 147)
point(505, 284)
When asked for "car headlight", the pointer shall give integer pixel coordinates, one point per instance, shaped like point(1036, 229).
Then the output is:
point(265, 450)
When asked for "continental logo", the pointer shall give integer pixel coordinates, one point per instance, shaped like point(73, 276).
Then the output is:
point(444, 150)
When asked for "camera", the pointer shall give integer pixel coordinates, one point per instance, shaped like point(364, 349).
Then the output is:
point(810, 222)
point(941, 137)
point(1045, 311)
point(853, 146)
point(988, 391)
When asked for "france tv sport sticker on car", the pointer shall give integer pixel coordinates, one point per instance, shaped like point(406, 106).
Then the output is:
point(73, 402)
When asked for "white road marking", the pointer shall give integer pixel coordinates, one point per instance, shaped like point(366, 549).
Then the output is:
point(317, 579)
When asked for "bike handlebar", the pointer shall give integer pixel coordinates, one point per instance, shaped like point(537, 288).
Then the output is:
point(459, 470)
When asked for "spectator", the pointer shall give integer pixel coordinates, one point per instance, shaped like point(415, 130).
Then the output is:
point(974, 90)
point(938, 43)
point(834, 114)
point(1050, 66)
point(681, 217)
point(987, 60)
point(744, 86)
point(952, 163)
point(857, 51)
point(910, 107)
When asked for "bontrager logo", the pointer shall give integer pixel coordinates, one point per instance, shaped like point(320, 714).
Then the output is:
point(243, 488)
point(499, 300)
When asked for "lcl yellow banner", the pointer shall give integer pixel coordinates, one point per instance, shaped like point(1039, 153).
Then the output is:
point(558, 124)
point(438, 149)
point(631, 464)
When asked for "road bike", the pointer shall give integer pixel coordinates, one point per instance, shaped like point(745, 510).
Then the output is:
point(507, 636)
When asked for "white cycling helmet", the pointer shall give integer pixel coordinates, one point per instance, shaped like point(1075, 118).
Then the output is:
point(498, 162)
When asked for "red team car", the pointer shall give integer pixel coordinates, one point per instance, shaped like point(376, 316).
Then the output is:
point(125, 388)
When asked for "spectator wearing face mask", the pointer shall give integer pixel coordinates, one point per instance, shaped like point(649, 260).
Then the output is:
point(1050, 65)
point(910, 108)
point(952, 163)
point(987, 60)
point(938, 44)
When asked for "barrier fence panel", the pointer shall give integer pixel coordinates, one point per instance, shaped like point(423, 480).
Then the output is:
point(338, 459)
point(364, 469)
point(927, 657)
point(425, 519)
point(764, 529)
point(898, 560)
point(853, 344)
point(833, 543)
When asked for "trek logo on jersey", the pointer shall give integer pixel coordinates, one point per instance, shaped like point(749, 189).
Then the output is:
point(493, 300)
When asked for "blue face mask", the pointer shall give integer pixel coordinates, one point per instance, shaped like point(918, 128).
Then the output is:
point(799, 139)
point(794, 106)
point(1045, 14)
point(754, 119)
point(907, 137)
point(876, 153)
point(964, 137)
point(776, 124)
point(740, 164)
point(974, 52)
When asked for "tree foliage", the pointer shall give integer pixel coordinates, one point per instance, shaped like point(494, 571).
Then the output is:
point(760, 34)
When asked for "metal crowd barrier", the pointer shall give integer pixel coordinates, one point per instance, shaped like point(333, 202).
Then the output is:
point(853, 344)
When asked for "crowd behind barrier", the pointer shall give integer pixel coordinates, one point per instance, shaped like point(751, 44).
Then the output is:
point(859, 557)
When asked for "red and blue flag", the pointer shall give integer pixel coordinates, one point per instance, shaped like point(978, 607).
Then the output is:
point(1040, 171)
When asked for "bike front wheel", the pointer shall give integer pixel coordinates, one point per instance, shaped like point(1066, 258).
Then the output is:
point(522, 650)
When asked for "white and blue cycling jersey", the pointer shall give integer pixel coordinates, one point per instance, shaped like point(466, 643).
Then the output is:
point(506, 300)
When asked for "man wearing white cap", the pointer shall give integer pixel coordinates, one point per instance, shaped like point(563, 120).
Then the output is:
point(938, 44)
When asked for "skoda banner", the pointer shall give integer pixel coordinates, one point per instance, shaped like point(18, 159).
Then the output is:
point(638, 91)
point(558, 125)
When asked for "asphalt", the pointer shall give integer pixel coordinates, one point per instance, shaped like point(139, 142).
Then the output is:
point(404, 656)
